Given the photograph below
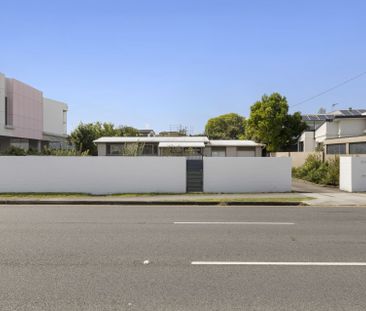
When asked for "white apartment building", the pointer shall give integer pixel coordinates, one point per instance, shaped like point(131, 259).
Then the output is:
point(338, 132)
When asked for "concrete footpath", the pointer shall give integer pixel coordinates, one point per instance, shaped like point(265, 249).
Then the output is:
point(327, 195)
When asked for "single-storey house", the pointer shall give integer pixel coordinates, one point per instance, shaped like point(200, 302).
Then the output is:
point(177, 146)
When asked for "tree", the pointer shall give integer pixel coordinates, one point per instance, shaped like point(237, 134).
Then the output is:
point(84, 135)
point(226, 126)
point(271, 124)
point(133, 149)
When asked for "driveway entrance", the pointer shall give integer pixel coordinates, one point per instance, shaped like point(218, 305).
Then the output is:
point(299, 185)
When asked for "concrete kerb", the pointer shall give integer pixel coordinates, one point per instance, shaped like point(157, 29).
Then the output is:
point(146, 203)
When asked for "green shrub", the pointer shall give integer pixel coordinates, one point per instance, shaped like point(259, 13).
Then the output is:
point(64, 152)
point(316, 171)
point(33, 152)
point(332, 175)
point(14, 151)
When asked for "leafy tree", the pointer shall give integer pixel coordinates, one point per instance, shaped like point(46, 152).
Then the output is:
point(84, 135)
point(226, 126)
point(271, 124)
point(133, 149)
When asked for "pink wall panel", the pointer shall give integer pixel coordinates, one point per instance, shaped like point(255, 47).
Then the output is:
point(27, 109)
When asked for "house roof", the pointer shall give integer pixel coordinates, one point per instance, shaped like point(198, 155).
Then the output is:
point(234, 143)
point(147, 131)
point(154, 139)
point(180, 141)
point(342, 113)
point(317, 117)
point(349, 112)
point(193, 144)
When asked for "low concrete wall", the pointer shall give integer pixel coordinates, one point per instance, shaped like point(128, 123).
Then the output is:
point(248, 174)
point(98, 175)
point(352, 175)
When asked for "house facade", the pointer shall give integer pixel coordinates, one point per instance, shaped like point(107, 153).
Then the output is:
point(177, 146)
point(339, 132)
point(29, 120)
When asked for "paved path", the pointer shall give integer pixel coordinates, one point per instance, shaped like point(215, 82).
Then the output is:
point(302, 186)
point(327, 196)
point(140, 258)
point(338, 199)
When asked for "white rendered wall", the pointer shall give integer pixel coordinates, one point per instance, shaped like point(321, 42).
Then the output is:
point(98, 175)
point(308, 139)
point(3, 130)
point(352, 175)
point(351, 127)
point(326, 131)
point(53, 117)
point(255, 174)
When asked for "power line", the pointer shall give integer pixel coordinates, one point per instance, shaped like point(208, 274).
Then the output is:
point(330, 89)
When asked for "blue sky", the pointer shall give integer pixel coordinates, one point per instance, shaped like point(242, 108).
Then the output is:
point(158, 63)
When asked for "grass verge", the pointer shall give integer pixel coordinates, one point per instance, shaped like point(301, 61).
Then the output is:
point(195, 198)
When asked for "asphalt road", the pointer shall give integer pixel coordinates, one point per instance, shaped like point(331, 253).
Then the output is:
point(137, 258)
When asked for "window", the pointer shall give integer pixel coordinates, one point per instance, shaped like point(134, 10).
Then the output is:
point(150, 149)
point(64, 120)
point(245, 152)
point(301, 146)
point(218, 152)
point(115, 149)
point(336, 149)
point(20, 143)
point(8, 113)
point(355, 148)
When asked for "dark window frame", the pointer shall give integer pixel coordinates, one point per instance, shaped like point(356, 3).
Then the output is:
point(336, 149)
point(355, 145)
point(6, 111)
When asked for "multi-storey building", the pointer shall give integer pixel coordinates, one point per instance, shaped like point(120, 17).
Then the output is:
point(338, 132)
point(27, 119)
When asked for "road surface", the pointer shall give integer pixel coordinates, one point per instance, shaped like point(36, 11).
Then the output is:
point(182, 258)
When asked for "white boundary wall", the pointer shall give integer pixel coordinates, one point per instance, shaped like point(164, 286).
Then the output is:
point(352, 174)
point(247, 174)
point(98, 175)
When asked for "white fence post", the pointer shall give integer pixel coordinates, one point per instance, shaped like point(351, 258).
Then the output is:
point(352, 174)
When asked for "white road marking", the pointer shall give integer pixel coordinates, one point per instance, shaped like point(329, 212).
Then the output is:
point(231, 223)
point(274, 263)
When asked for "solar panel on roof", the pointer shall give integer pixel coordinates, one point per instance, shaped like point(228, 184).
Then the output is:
point(358, 112)
point(353, 112)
